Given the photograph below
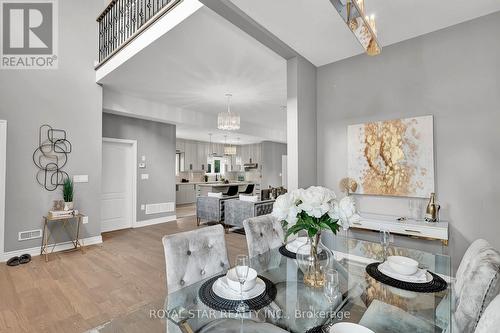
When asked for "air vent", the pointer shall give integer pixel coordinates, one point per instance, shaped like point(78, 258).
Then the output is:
point(158, 208)
point(30, 234)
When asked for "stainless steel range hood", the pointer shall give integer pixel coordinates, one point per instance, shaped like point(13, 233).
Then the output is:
point(250, 165)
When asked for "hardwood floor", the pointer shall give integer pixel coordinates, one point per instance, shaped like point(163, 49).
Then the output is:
point(74, 292)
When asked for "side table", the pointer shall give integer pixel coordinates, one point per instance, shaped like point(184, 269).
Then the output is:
point(73, 231)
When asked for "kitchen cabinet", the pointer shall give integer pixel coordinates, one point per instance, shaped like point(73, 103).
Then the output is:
point(185, 193)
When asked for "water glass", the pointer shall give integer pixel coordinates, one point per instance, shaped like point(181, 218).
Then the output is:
point(332, 287)
point(385, 237)
point(385, 241)
point(242, 266)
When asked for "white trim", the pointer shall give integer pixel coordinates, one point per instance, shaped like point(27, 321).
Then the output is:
point(35, 251)
point(159, 220)
point(3, 159)
point(134, 173)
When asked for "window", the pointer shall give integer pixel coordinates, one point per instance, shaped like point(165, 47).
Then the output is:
point(179, 163)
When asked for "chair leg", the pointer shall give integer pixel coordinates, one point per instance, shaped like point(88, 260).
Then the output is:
point(198, 221)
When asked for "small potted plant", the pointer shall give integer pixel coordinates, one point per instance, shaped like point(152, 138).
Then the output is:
point(68, 194)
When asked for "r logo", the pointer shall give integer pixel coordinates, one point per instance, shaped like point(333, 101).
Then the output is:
point(27, 28)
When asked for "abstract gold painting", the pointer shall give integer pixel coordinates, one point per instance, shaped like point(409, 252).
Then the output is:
point(393, 157)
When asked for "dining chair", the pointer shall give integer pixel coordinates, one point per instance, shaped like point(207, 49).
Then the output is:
point(477, 284)
point(263, 233)
point(195, 255)
point(490, 320)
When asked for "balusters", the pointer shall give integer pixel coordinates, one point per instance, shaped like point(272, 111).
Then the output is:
point(121, 20)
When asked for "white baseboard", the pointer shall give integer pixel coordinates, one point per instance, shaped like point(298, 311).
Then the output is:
point(140, 224)
point(35, 251)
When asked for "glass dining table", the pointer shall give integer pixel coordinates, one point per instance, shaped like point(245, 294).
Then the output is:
point(299, 308)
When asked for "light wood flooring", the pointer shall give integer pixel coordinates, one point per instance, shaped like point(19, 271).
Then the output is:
point(74, 292)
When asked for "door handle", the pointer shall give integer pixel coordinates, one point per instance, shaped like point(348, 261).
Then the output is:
point(414, 231)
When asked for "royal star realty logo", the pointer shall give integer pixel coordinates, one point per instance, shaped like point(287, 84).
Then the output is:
point(29, 37)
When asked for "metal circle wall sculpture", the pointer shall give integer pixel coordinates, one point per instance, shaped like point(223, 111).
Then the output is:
point(51, 156)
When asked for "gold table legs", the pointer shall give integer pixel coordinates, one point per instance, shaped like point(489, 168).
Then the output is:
point(47, 235)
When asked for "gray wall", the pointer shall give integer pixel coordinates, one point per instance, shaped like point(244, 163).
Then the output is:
point(453, 74)
point(272, 163)
point(66, 98)
point(156, 141)
point(301, 123)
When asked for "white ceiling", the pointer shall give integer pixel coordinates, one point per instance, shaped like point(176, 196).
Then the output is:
point(315, 30)
point(202, 59)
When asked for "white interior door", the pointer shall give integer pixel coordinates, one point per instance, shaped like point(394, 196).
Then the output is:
point(118, 184)
point(3, 158)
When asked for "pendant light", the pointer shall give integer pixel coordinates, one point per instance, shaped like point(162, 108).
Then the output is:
point(227, 120)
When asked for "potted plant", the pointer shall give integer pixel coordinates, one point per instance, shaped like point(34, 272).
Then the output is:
point(313, 210)
point(68, 194)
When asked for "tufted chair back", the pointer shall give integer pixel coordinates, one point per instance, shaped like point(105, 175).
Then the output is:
point(477, 284)
point(192, 256)
point(490, 320)
point(263, 234)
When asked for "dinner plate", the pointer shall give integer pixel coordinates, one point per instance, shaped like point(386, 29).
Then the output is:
point(221, 289)
point(349, 328)
point(425, 276)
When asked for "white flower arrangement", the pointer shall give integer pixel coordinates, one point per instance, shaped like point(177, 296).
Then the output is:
point(314, 209)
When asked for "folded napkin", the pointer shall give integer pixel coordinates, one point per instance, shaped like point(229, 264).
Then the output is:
point(294, 245)
point(249, 198)
point(420, 275)
point(214, 195)
point(222, 289)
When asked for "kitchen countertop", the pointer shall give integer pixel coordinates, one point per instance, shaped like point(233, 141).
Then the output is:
point(225, 185)
point(213, 183)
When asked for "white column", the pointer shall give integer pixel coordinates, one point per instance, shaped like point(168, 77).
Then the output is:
point(301, 123)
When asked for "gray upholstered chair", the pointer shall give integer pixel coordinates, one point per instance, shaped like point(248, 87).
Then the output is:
point(192, 256)
point(236, 211)
point(490, 320)
point(449, 302)
point(477, 284)
point(263, 233)
point(210, 209)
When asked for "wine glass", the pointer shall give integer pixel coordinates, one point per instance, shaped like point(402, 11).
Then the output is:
point(331, 288)
point(385, 241)
point(242, 268)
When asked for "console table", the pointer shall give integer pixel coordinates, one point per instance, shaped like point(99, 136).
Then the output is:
point(73, 231)
point(408, 227)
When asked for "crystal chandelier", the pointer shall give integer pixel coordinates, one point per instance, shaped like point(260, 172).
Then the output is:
point(227, 120)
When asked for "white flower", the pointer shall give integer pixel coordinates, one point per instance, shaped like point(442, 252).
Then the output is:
point(345, 212)
point(285, 208)
point(316, 201)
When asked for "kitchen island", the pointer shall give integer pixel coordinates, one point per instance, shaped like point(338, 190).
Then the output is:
point(205, 188)
point(187, 192)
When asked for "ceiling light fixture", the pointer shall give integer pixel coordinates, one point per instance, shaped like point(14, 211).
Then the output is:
point(361, 25)
point(229, 150)
point(227, 120)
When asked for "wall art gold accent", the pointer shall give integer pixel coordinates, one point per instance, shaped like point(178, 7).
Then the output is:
point(393, 157)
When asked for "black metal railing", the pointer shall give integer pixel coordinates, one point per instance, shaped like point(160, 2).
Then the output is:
point(123, 20)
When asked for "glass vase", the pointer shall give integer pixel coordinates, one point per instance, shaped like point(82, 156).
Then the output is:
point(313, 258)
